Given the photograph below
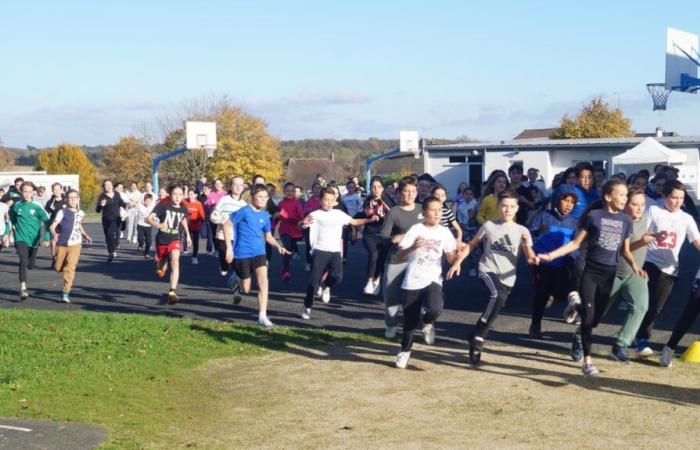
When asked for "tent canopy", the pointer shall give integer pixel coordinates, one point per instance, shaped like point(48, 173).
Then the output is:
point(650, 151)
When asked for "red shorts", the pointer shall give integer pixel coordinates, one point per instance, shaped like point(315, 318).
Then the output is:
point(163, 250)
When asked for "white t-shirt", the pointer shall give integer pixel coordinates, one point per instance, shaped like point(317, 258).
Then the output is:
point(3, 217)
point(222, 212)
point(425, 264)
point(133, 196)
point(326, 230)
point(143, 211)
point(672, 230)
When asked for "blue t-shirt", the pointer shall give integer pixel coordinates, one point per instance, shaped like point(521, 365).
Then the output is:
point(606, 234)
point(250, 227)
point(559, 231)
point(585, 198)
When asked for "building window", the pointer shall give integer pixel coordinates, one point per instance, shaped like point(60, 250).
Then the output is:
point(458, 159)
point(476, 159)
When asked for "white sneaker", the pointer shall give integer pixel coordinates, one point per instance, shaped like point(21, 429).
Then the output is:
point(223, 273)
point(263, 321)
point(319, 291)
point(570, 312)
point(666, 359)
point(65, 298)
point(195, 261)
point(429, 333)
point(326, 295)
point(369, 288)
point(377, 286)
point(305, 312)
point(390, 332)
point(402, 359)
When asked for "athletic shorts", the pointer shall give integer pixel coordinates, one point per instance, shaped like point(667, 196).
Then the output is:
point(164, 250)
point(245, 267)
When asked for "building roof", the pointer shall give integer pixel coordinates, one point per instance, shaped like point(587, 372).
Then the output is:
point(403, 162)
point(535, 133)
point(302, 171)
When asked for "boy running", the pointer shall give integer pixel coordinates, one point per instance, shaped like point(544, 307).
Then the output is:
point(290, 215)
point(171, 216)
point(424, 244)
point(67, 229)
point(143, 228)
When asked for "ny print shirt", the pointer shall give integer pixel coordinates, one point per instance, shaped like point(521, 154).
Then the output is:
point(171, 216)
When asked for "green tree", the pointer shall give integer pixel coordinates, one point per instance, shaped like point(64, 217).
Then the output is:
point(70, 159)
point(595, 120)
point(129, 160)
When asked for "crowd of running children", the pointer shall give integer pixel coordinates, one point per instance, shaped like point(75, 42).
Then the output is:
point(591, 242)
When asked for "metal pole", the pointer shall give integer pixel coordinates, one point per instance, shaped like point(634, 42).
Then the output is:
point(156, 163)
point(372, 159)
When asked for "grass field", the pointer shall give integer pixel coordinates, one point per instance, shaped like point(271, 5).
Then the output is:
point(157, 382)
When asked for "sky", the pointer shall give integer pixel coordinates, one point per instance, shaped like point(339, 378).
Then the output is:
point(91, 72)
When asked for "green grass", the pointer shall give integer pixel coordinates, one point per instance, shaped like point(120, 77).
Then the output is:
point(128, 373)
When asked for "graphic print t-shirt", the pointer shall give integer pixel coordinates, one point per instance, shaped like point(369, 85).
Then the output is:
point(671, 229)
point(502, 244)
point(171, 216)
point(425, 263)
point(606, 233)
point(69, 222)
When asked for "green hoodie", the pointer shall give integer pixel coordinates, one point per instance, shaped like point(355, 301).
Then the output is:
point(26, 219)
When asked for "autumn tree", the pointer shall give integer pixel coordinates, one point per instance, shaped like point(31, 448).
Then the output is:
point(7, 160)
point(596, 119)
point(186, 167)
point(70, 159)
point(129, 160)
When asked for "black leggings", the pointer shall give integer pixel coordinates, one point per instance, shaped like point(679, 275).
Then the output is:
point(549, 280)
point(428, 298)
point(322, 262)
point(596, 284)
point(27, 257)
point(111, 230)
point(145, 237)
point(377, 249)
point(692, 309)
point(290, 243)
point(195, 242)
point(220, 245)
point(660, 287)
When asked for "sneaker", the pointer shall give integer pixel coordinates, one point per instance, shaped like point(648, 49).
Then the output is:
point(589, 370)
point(146, 257)
point(65, 298)
point(263, 321)
point(286, 277)
point(666, 359)
point(237, 297)
point(402, 359)
point(643, 348)
point(224, 273)
point(535, 330)
point(140, 247)
point(472, 273)
point(390, 332)
point(307, 267)
point(476, 344)
point(429, 333)
point(305, 312)
point(369, 288)
point(570, 312)
point(319, 291)
point(160, 273)
point(377, 287)
point(172, 297)
point(550, 301)
point(576, 347)
point(195, 261)
point(326, 295)
point(23, 294)
point(619, 354)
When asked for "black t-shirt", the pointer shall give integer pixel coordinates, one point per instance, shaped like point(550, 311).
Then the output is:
point(606, 234)
point(172, 216)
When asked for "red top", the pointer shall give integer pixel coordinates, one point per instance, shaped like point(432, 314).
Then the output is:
point(291, 213)
point(311, 205)
point(195, 214)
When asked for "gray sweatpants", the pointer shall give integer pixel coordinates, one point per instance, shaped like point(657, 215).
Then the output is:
point(391, 287)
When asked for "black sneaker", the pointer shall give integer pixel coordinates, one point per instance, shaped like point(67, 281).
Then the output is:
point(237, 297)
point(536, 330)
point(576, 347)
point(619, 354)
point(475, 346)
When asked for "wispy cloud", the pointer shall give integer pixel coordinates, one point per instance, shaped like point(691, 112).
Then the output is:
point(330, 99)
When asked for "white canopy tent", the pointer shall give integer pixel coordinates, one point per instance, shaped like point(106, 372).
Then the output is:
point(647, 152)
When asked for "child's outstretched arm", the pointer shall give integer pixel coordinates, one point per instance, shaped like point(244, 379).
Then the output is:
point(565, 249)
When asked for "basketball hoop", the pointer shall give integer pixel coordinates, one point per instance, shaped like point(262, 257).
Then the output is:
point(659, 94)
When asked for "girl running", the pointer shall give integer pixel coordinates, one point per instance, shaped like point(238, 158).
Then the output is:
point(375, 206)
point(448, 219)
point(606, 232)
point(109, 203)
point(26, 220)
point(290, 216)
point(68, 231)
point(195, 219)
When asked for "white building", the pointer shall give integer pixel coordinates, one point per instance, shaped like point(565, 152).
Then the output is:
point(472, 162)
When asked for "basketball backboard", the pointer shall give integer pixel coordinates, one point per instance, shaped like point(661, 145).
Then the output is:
point(409, 141)
point(201, 135)
point(682, 61)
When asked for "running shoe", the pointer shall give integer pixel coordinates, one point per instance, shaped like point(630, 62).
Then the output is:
point(195, 261)
point(286, 277)
point(402, 359)
point(326, 295)
point(429, 333)
point(576, 347)
point(305, 312)
point(377, 287)
point(172, 297)
point(224, 273)
point(589, 370)
point(535, 330)
point(369, 288)
point(237, 297)
point(263, 321)
point(160, 273)
point(666, 359)
point(570, 312)
point(23, 294)
point(146, 257)
point(65, 298)
point(390, 332)
point(550, 301)
point(475, 346)
point(643, 348)
point(232, 281)
point(319, 291)
point(619, 354)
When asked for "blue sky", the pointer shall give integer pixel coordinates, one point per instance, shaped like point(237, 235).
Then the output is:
point(87, 72)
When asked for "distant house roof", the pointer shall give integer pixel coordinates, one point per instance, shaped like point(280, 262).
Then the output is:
point(535, 133)
point(302, 171)
point(403, 162)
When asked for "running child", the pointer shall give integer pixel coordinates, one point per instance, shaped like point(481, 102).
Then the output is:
point(249, 228)
point(290, 215)
point(448, 218)
point(424, 244)
point(171, 216)
point(503, 239)
point(325, 233)
point(606, 233)
point(226, 205)
point(375, 205)
point(26, 220)
point(311, 204)
point(195, 219)
point(143, 228)
point(67, 229)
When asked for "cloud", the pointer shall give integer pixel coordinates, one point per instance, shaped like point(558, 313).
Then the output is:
point(330, 99)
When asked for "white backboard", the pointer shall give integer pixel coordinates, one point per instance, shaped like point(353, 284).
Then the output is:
point(409, 141)
point(681, 50)
point(200, 135)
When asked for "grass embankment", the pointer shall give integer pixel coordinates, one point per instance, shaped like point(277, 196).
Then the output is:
point(126, 372)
